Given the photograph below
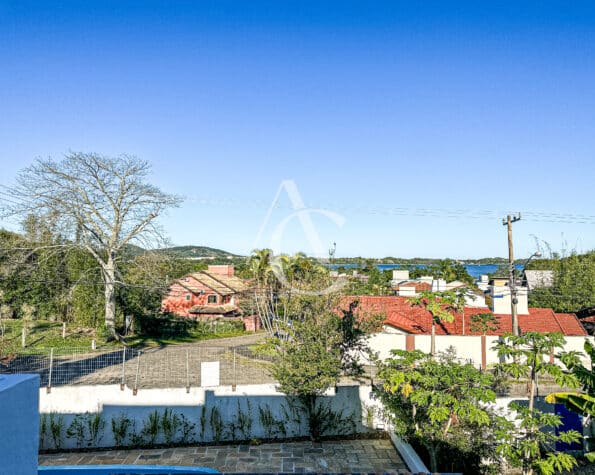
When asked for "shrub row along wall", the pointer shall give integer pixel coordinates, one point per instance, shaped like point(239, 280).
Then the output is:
point(467, 347)
point(105, 416)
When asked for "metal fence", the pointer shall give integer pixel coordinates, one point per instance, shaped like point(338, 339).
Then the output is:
point(167, 367)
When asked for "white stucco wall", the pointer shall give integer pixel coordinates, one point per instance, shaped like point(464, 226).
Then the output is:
point(111, 402)
point(384, 342)
point(19, 424)
point(467, 347)
point(577, 343)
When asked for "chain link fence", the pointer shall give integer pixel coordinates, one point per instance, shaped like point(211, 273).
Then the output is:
point(167, 367)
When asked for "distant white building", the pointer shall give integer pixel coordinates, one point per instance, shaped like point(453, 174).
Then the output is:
point(536, 279)
point(403, 286)
point(500, 297)
point(483, 282)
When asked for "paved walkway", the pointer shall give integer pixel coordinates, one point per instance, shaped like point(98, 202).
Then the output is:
point(348, 456)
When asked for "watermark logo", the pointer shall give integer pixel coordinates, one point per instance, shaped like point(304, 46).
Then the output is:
point(304, 216)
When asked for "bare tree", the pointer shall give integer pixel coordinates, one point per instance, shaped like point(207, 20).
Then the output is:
point(101, 204)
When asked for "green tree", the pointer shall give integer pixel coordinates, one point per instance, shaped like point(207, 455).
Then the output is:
point(38, 268)
point(446, 269)
point(99, 204)
point(147, 277)
point(530, 353)
point(279, 280)
point(525, 441)
point(312, 347)
point(582, 403)
point(441, 306)
point(574, 283)
point(484, 322)
point(442, 405)
point(308, 363)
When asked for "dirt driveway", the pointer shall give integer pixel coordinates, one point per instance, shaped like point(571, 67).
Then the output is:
point(159, 367)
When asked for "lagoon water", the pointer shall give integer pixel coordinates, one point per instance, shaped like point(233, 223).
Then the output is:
point(474, 270)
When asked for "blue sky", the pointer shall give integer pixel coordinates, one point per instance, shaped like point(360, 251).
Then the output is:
point(485, 107)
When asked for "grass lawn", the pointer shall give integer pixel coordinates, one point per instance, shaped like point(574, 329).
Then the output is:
point(44, 334)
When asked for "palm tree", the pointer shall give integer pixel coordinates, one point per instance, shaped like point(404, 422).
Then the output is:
point(276, 279)
point(264, 280)
point(440, 305)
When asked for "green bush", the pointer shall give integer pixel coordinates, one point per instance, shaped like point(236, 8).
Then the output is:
point(163, 326)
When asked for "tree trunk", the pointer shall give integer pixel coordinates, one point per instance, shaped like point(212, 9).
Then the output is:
point(527, 470)
point(532, 392)
point(314, 424)
point(109, 275)
point(433, 339)
point(433, 453)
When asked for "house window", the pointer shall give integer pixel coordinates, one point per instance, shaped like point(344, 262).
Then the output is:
point(187, 296)
point(212, 299)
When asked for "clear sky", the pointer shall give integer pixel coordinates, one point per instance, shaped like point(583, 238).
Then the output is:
point(377, 111)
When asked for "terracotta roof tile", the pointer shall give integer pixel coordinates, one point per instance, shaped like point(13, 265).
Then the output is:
point(399, 313)
point(212, 283)
point(570, 324)
point(230, 281)
point(418, 286)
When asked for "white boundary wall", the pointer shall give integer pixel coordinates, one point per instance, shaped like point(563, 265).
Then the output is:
point(466, 347)
point(110, 401)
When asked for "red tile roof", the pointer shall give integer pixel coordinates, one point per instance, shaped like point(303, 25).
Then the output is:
point(418, 286)
point(399, 313)
point(570, 323)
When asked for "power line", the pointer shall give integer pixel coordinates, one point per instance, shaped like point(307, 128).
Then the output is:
point(444, 213)
point(447, 213)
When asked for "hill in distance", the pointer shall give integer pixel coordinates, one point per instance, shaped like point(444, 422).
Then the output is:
point(186, 252)
point(197, 252)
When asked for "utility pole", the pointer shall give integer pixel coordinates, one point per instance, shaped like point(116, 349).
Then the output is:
point(511, 278)
point(331, 254)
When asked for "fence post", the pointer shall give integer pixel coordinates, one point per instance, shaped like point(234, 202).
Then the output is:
point(23, 337)
point(187, 372)
point(235, 378)
point(63, 330)
point(135, 389)
point(123, 383)
point(93, 345)
point(49, 387)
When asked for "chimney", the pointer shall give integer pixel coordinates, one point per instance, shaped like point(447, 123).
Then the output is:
point(438, 285)
point(227, 270)
point(500, 299)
